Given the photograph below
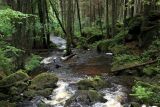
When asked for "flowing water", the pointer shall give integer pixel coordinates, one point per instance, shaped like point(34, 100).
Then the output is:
point(82, 65)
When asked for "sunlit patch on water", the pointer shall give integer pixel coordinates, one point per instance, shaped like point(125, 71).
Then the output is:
point(60, 95)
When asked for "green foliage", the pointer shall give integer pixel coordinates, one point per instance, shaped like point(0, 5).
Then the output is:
point(7, 19)
point(153, 51)
point(125, 58)
point(8, 54)
point(146, 92)
point(13, 78)
point(142, 93)
point(5, 63)
point(12, 52)
point(151, 70)
point(108, 44)
point(91, 31)
point(32, 62)
point(119, 49)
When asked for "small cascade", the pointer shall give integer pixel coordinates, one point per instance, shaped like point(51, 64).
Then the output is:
point(59, 42)
point(60, 95)
point(114, 97)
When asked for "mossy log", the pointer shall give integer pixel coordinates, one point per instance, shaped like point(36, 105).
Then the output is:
point(119, 70)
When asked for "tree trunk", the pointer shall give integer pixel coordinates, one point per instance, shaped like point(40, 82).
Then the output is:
point(107, 19)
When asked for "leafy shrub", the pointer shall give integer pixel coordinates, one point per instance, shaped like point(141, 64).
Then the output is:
point(146, 92)
point(7, 19)
point(32, 62)
point(151, 70)
point(119, 49)
point(106, 45)
point(91, 31)
point(124, 59)
point(142, 93)
point(5, 63)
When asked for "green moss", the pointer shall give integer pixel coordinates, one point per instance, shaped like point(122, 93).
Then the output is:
point(86, 97)
point(18, 88)
point(45, 92)
point(13, 78)
point(95, 83)
point(95, 96)
point(119, 49)
point(44, 80)
point(32, 93)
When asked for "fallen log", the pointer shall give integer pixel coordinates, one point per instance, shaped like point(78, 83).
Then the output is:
point(117, 71)
point(67, 57)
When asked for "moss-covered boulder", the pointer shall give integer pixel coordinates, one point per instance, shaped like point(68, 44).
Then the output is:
point(13, 79)
point(85, 98)
point(33, 93)
point(18, 88)
point(44, 80)
point(95, 83)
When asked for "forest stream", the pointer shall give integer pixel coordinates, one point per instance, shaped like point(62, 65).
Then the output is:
point(80, 66)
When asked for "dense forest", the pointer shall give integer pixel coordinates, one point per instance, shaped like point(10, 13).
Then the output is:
point(79, 53)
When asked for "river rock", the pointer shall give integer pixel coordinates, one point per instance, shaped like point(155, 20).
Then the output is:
point(85, 98)
point(13, 79)
point(33, 93)
point(44, 80)
point(18, 88)
point(41, 85)
point(95, 83)
point(135, 104)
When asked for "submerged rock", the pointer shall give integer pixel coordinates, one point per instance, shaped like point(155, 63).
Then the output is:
point(95, 83)
point(85, 98)
point(44, 80)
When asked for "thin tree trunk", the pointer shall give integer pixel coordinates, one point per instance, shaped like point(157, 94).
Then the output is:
point(59, 21)
point(107, 19)
point(79, 17)
point(113, 18)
